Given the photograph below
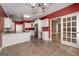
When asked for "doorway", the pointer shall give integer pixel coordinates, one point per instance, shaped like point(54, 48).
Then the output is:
point(36, 31)
point(56, 30)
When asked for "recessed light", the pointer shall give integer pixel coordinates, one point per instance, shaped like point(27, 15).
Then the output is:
point(27, 16)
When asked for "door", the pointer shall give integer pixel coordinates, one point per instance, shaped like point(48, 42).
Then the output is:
point(69, 30)
point(36, 31)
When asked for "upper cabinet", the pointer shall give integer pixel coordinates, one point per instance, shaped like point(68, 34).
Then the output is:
point(7, 23)
point(27, 25)
point(45, 23)
point(19, 27)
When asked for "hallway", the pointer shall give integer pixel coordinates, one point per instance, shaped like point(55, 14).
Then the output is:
point(40, 48)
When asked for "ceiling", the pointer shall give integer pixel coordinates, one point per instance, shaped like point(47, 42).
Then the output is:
point(20, 9)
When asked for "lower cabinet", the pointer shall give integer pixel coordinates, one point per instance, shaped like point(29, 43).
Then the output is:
point(45, 35)
point(15, 38)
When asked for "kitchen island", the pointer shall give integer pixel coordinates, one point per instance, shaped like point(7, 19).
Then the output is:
point(9, 39)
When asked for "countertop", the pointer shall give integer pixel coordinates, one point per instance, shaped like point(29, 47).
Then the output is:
point(16, 32)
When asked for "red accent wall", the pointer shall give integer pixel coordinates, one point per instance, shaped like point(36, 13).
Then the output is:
point(22, 22)
point(45, 28)
point(2, 13)
point(19, 22)
point(67, 10)
point(1, 29)
point(29, 28)
point(28, 21)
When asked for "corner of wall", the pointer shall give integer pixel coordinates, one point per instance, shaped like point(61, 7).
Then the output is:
point(0, 49)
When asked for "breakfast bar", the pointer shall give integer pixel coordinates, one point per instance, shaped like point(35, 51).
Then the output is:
point(14, 38)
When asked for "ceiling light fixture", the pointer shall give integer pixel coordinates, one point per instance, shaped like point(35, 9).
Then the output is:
point(33, 4)
point(26, 16)
point(36, 6)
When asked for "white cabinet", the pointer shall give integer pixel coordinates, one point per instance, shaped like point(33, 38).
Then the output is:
point(45, 23)
point(15, 38)
point(19, 27)
point(45, 35)
point(27, 25)
point(7, 23)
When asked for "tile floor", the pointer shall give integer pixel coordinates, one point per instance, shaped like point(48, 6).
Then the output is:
point(40, 48)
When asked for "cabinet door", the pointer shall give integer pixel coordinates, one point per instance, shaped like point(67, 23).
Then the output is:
point(7, 23)
point(19, 28)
